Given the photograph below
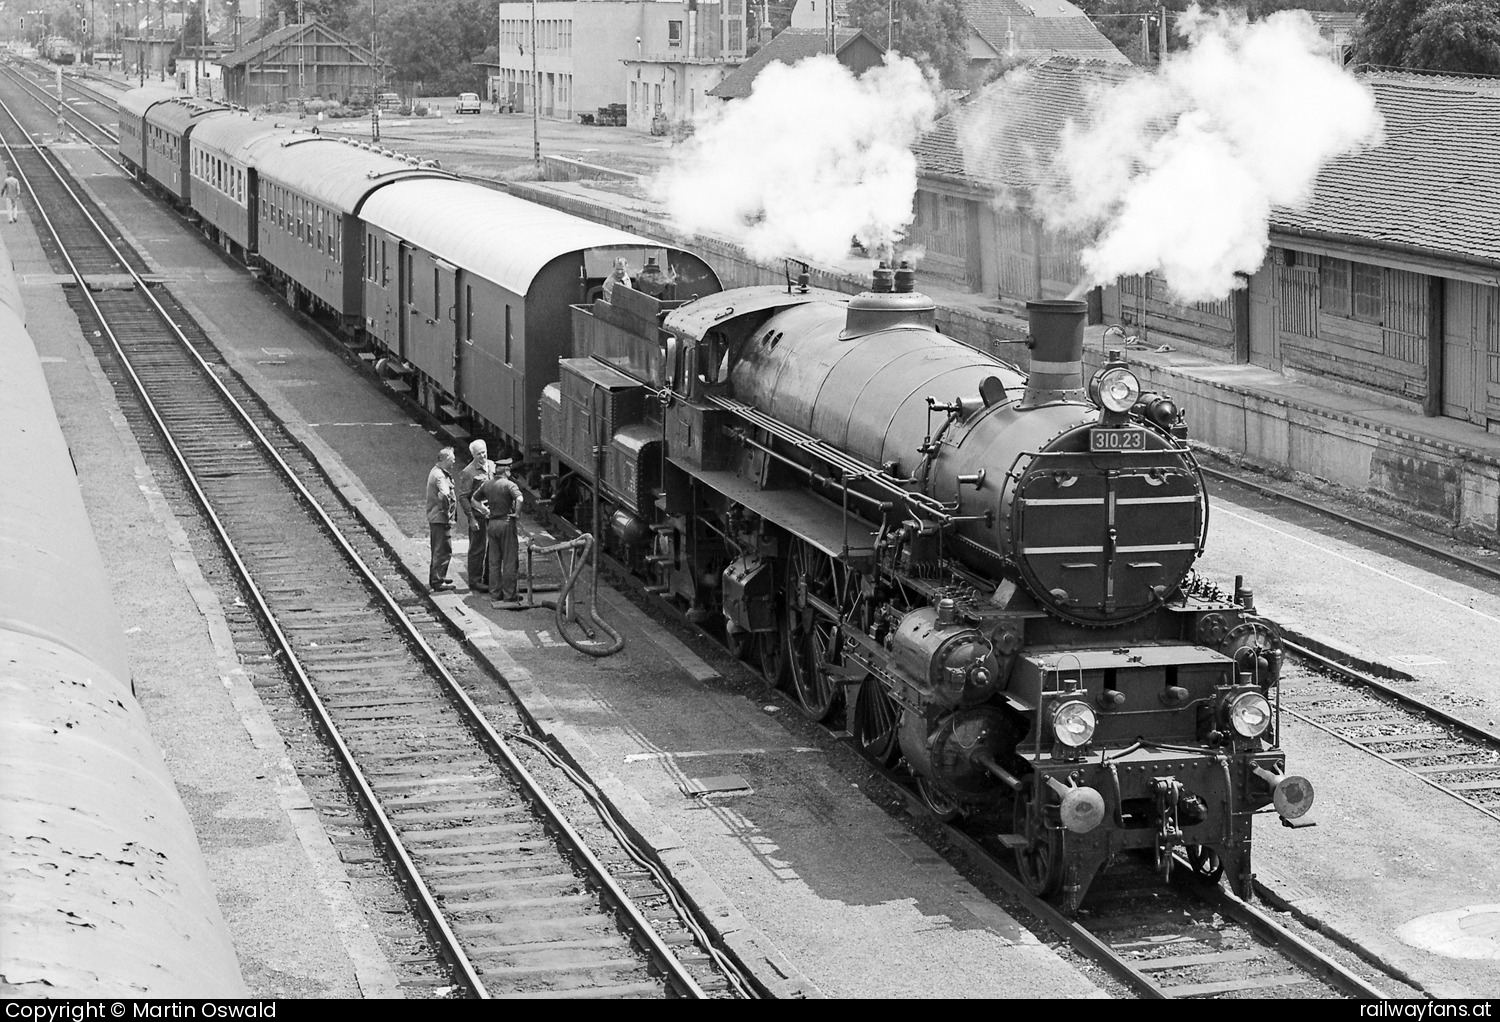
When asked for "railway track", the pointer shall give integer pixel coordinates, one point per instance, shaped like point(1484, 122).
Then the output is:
point(33, 78)
point(514, 898)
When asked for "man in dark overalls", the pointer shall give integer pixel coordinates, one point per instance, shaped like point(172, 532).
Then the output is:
point(499, 500)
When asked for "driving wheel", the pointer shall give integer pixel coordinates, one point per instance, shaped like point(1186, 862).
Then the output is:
point(812, 639)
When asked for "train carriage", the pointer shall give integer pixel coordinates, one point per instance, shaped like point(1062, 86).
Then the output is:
point(310, 190)
point(472, 288)
point(132, 107)
point(225, 179)
point(169, 129)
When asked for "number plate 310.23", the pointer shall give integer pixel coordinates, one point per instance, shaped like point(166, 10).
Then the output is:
point(1128, 438)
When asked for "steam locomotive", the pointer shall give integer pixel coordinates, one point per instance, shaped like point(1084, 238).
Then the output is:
point(989, 570)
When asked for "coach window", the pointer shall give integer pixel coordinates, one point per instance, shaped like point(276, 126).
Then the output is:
point(437, 293)
point(468, 313)
point(507, 334)
point(319, 245)
point(410, 273)
point(385, 266)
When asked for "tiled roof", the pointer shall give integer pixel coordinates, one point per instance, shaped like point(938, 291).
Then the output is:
point(1020, 119)
point(1041, 29)
point(1433, 183)
point(1336, 24)
point(788, 46)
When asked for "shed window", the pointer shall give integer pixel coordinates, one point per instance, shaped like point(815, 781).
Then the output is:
point(1369, 293)
point(1333, 286)
point(1352, 290)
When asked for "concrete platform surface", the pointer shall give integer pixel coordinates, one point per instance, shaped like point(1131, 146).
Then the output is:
point(284, 894)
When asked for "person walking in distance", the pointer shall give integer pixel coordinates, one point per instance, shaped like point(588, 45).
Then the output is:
point(499, 500)
point(475, 474)
point(12, 192)
point(442, 516)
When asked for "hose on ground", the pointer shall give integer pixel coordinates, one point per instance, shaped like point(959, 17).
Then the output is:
point(584, 554)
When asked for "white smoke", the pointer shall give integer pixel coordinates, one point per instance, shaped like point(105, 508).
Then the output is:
point(1177, 172)
point(812, 158)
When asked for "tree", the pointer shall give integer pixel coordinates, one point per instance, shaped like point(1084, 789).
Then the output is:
point(1457, 36)
point(934, 33)
point(333, 13)
point(1452, 36)
point(1385, 30)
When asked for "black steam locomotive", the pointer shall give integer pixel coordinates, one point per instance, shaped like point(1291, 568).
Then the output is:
point(989, 570)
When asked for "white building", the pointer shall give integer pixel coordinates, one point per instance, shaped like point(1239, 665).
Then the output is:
point(582, 47)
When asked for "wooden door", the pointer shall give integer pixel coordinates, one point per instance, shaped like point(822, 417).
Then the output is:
point(1262, 326)
point(1463, 351)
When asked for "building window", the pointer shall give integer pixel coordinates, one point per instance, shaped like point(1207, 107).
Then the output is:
point(674, 33)
point(1369, 293)
point(735, 40)
point(1333, 286)
point(1351, 290)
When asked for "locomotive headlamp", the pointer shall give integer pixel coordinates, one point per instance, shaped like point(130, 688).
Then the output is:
point(1115, 389)
point(1249, 714)
point(1073, 723)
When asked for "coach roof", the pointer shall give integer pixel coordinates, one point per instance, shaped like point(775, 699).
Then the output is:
point(137, 101)
point(235, 135)
point(334, 173)
point(495, 235)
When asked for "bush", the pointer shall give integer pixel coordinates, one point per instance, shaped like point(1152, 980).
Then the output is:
point(420, 110)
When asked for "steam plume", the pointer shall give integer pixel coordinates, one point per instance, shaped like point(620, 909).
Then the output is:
point(1177, 172)
point(812, 158)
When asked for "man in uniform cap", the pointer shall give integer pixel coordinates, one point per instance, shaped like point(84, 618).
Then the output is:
point(475, 474)
point(499, 500)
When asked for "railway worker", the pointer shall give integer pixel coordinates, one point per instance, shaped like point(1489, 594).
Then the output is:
point(442, 516)
point(475, 474)
point(12, 192)
point(620, 275)
point(499, 500)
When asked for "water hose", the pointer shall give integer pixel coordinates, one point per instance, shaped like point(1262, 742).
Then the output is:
point(583, 545)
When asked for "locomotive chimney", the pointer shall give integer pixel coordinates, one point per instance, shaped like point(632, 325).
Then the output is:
point(1056, 352)
point(892, 303)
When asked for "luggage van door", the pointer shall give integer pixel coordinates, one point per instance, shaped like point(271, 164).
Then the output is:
point(409, 311)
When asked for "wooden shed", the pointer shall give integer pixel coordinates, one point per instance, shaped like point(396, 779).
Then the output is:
point(298, 62)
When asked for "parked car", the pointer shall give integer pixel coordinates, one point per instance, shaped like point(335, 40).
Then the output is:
point(468, 103)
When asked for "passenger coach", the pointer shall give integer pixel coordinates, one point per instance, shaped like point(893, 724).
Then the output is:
point(132, 107)
point(224, 179)
point(472, 288)
point(310, 191)
point(169, 129)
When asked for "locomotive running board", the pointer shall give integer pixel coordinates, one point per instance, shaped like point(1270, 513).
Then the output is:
point(809, 517)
